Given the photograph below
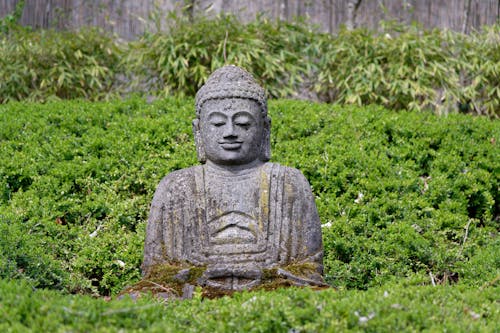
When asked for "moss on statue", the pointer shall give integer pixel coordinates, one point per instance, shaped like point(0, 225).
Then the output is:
point(168, 280)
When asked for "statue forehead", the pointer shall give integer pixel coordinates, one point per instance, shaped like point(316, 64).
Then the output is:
point(230, 104)
point(231, 82)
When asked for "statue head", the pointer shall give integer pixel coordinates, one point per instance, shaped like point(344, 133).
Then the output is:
point(231, 125)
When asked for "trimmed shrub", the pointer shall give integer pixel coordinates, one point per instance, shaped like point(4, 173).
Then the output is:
point(400, 194)
point(394, 308)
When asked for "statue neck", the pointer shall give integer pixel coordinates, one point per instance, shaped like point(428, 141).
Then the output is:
point(234, 170)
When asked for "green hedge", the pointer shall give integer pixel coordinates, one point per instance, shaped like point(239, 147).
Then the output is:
point(402, 193)
point(399, 194)
point(392, 308)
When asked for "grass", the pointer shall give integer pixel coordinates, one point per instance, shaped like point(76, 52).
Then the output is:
point(395, 307)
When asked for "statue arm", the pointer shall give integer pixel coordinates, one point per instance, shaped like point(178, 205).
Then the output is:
point(307, 245)
point(154, 243)
point(311, 226)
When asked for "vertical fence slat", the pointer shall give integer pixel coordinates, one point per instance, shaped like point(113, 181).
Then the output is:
point(127, 18)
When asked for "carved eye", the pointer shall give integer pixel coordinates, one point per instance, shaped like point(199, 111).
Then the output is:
point(218, 123)
point(243, 121)
point(243, 124)
point(216, 119)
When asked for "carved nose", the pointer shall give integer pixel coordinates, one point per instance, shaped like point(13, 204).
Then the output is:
point(229, 130)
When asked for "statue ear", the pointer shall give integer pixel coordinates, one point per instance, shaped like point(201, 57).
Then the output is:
point(265, 148)
point(198, 142)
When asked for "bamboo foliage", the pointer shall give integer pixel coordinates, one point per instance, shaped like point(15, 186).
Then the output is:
point(180, 61)
point(403, 67)
point(41, 65)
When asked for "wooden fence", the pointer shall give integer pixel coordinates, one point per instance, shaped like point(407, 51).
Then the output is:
point(129, 18)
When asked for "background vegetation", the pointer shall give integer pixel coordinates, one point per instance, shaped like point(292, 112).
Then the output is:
point(417, 194)
point(403, 67)
point(45, 64)
point(407, 201)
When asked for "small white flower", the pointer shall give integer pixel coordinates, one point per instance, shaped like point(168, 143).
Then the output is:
point(120, 263)
point(326, 225)
point(248, 302)
point(359, 198)
point(94, 233)
point(364, 319)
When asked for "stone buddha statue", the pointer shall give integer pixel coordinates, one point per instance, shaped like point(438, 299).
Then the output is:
point(236, 221)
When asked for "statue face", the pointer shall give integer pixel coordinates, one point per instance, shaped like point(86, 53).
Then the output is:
point(231, 130)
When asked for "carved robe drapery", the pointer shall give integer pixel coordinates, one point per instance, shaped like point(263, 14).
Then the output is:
point(263, 218)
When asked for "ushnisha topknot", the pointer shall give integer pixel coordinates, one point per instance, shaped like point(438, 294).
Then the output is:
point(231, 82)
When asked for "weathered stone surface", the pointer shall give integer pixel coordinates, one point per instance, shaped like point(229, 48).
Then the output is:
point(236, 221)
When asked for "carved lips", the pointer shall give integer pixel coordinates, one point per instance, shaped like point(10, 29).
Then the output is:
point(231, 145)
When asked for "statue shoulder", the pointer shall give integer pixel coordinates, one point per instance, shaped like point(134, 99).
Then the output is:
point(181, 176)
point(290, 175)
point(177, 181)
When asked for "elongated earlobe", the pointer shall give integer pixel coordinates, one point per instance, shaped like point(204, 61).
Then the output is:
point(265, 148)
point(200, 148)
